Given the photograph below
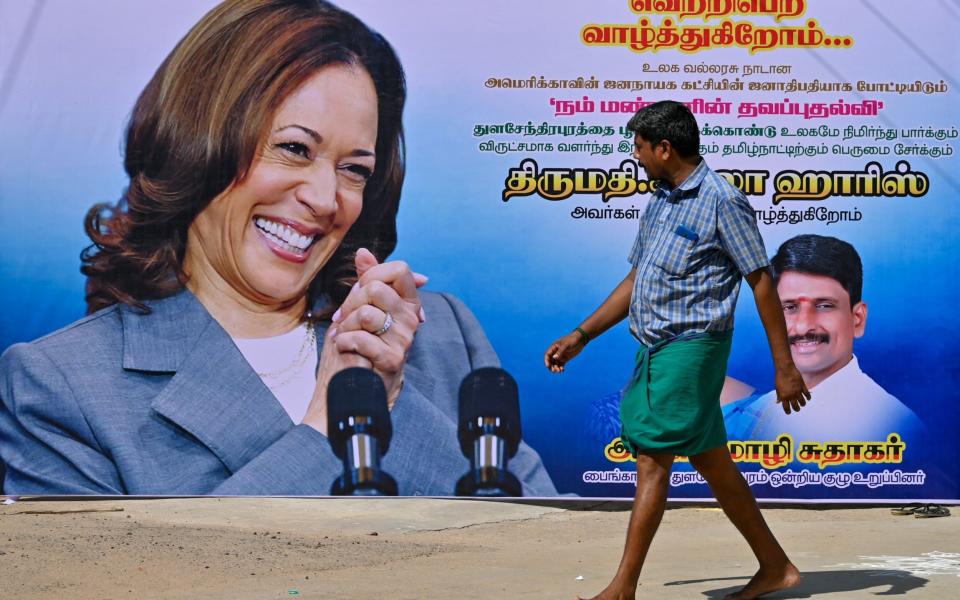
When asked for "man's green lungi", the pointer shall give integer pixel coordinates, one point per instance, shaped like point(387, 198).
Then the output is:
point(672, 404)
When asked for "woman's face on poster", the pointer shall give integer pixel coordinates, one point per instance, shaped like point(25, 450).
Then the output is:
point(269, 234)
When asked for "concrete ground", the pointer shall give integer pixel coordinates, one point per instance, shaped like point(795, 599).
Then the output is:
point(425, 548)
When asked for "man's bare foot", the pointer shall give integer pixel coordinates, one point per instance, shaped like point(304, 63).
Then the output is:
point(766, 581)
point(614, 592)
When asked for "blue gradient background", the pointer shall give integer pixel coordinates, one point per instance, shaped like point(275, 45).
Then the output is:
point(70, 72)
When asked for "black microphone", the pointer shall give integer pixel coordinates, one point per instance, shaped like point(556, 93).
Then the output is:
point(489, 433)
point(359, 429)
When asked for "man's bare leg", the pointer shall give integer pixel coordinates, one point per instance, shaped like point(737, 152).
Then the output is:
point(734, 495)
point(653, 478)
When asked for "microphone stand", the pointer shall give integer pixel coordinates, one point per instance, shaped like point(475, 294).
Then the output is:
point(360, 476)
point(490, 477)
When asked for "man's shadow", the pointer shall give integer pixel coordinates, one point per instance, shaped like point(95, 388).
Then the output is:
point(824, 583)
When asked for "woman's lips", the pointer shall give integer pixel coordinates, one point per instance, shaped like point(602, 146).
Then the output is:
point(285, 241)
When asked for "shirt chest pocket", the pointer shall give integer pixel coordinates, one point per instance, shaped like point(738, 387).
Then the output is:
point(675, 251)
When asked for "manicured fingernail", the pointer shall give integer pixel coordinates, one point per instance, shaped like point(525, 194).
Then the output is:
point(423, 316)
point(337, 315)
point(333, 332)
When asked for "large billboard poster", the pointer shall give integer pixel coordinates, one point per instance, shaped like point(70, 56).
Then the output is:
point(836, 119)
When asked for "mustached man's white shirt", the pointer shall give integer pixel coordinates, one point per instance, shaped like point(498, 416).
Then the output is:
point(847, 406)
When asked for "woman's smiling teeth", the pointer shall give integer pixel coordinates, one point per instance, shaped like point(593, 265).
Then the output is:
point(284, 236)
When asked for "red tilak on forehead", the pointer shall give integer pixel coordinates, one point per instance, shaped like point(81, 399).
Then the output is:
point(804, 299)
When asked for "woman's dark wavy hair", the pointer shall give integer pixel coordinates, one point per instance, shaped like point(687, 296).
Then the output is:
point(198, 124)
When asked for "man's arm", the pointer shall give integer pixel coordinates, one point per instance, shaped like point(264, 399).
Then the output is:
point(792, 393)
point(613, 310)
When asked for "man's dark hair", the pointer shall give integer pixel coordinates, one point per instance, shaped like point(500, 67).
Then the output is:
point(671, 121)
point(821, 255)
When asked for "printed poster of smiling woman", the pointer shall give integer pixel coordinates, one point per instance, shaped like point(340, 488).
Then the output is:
point(838, 120)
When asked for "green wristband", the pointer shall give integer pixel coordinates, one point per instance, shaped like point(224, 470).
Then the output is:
point(586, 338)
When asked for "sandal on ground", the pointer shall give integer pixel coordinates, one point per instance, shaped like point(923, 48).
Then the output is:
point(907, 509)
point(930, 511)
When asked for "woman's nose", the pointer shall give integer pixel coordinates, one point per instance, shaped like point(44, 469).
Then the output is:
point(318, 190)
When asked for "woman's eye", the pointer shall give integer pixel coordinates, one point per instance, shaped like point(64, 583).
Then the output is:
point(295, 148)
point(357, 173)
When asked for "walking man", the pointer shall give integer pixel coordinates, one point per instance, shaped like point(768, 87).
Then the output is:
point(698, 237)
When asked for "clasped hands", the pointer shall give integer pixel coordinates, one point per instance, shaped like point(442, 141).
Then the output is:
point(363, 335)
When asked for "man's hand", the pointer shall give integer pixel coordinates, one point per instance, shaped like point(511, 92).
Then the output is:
point(792, 393)
point(563, 350)
point(613, 310)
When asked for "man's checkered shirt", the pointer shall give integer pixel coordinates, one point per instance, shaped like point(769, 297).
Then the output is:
point(694, 245)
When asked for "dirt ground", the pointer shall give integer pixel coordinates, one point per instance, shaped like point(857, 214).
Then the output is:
point(426, 548)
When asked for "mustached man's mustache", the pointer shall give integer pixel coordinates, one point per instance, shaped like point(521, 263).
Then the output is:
point(821, 338)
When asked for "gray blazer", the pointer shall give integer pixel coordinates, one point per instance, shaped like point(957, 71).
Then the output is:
point(165, 404)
